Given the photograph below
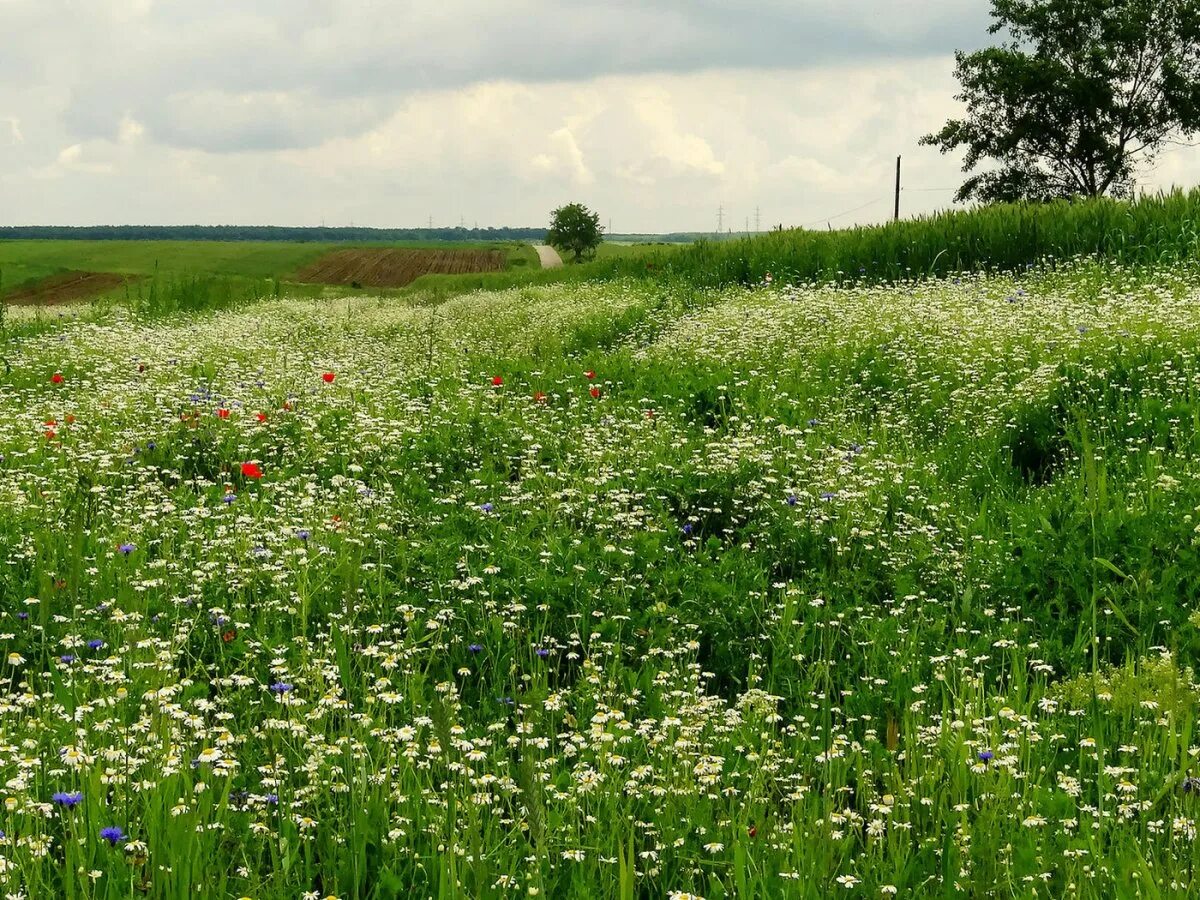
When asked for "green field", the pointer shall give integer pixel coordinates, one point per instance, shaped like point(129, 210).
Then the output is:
point(652, 585)
point(610, 250)
point(24, 262)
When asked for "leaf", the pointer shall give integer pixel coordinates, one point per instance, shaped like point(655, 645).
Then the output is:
point(1112, 568)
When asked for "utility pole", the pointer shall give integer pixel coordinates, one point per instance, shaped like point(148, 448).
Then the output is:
point(747, 224)
point(720, 218)
point(431, 223)
point(897, 189)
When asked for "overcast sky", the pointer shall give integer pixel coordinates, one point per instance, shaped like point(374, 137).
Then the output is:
point(653, 112)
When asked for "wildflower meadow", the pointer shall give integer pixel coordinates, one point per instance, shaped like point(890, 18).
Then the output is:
point(632, 589)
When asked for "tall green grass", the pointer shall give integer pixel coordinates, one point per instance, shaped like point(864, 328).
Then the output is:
point(1158, 229)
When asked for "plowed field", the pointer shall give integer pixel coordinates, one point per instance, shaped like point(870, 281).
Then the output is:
point(65, 287)
point(396, 267)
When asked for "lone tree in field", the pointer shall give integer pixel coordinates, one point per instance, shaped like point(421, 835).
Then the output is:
point(576, 229)
point(1079, 94)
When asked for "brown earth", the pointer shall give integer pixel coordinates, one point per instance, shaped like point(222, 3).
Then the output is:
point(64, 288)
point(396, 267)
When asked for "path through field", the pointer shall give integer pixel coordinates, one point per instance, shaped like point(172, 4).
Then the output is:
point(548, 255)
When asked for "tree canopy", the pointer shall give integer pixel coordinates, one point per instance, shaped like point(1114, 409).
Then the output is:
point(575, 229)
point(1079, 95)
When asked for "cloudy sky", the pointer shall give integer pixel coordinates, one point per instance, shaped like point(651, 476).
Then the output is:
point(386, 112)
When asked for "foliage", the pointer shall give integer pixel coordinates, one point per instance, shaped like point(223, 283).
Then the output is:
point(1081, 93)
point(1000, 238)
point(575, 229)
point(616, 589)
point(272, 233)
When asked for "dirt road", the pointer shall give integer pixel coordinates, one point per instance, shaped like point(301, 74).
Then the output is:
point(548, 255)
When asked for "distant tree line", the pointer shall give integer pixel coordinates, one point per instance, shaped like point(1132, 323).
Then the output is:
point(262, 233)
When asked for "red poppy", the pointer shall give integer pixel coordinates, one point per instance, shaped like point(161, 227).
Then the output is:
point(250, 470)
point(50, 434)
point(595, 392)
point(649, 414)
point(70, 420)
point(222, 413)
point(57, 378)
point(497, 381)
point(49, 422)
point(287, 406)
point(589, 375)
point(328, 377)
point(539, 397)
point(141, 367)
point(752, 831)
point(262, 417)
point(229, 635)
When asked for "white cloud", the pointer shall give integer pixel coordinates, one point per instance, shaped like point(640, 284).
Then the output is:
point(298, 111)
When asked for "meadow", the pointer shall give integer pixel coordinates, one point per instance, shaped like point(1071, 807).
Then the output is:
point(243, 268)
point(620, 588)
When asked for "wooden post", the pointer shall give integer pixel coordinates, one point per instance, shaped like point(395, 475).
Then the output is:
point(897, 189)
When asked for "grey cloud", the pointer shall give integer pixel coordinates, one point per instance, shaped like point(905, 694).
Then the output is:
point(138, 57)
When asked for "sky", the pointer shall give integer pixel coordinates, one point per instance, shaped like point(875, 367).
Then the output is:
point(658, 114)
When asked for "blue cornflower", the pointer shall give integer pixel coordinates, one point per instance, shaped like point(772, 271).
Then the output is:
point(828, 495)
point(485, 507)
point(813, 423)
point(95, 644)
point(986, 756)
point(229, 498)
point(70, 801)
point(127, 548)
point(273, 799)
point(791, 500)
point(67, 658)
point(687, 527)
point(112, 834)
point(281, 687)
point(542, 652)
point(475, 648)
point(304, 534)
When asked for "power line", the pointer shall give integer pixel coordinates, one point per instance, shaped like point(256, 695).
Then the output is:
point(846, 213)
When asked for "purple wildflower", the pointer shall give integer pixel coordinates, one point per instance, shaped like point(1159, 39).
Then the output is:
point(69, 800)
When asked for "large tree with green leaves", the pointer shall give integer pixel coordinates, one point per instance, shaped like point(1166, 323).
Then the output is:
point(1076, 98)
point(575, 229)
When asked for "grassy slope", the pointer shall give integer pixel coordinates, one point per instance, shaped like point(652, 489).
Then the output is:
point(874, 512)
point(1007, 237)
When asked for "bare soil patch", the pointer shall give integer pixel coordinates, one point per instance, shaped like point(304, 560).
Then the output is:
point(396, 267)
point(65, 288)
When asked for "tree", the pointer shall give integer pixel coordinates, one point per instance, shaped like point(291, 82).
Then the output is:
point(576, 229)
point(1080, 94)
